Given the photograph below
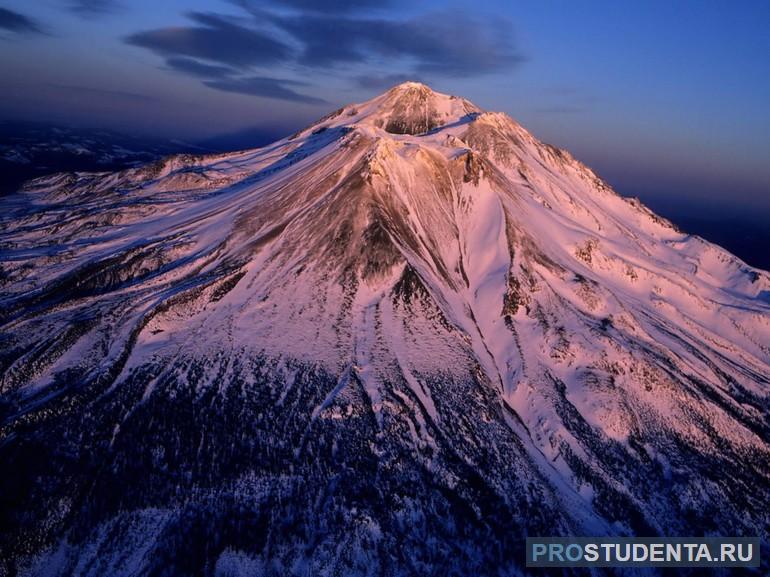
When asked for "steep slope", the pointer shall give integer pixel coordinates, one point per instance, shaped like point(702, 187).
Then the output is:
point(396, 342)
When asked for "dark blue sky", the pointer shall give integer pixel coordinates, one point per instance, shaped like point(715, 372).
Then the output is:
point(666, 98)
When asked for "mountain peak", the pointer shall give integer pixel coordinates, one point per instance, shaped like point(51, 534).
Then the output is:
point(412, 85)
point(414, 108)
point(408, 108)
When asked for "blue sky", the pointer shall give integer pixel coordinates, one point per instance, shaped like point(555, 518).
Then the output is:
point(666, 98)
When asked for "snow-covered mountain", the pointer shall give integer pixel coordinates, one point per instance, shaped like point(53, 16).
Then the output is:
point(394, 343)
point(30, 150)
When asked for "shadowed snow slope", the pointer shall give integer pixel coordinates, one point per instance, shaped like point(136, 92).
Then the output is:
point(395, 343)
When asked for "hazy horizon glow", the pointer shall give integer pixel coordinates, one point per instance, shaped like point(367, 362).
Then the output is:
point(658, 98)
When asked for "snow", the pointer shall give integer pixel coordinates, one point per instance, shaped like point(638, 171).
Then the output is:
point(265, 211)
point(388, 258)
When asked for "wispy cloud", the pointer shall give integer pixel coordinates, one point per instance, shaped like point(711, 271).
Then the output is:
point(431, 42)
point(199, 69)
point(221, 51)
point(19, 23)
point(325, 7)
point(215, 38)
point(266, 87)
point(91, 8)
point(233, 53)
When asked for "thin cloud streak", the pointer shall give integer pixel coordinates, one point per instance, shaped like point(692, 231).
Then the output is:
point(215, 38)
point(19, 23)
point(93, 8)
point(199, 69)
point(265, 87)
point(430, 41)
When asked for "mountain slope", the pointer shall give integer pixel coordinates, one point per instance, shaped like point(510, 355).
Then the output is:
point(32, 149)
point(396, 342)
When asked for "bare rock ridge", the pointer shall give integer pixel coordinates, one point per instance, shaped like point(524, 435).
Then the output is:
point(394, 343)
point(415, 109)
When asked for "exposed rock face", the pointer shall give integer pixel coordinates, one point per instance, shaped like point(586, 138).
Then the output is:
point(395, 343)
point(413, 108)
point(413, 111)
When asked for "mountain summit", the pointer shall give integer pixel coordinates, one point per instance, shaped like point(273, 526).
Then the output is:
point(394, 343)
point(412, 108)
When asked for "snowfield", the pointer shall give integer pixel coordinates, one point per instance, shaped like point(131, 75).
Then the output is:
point(395, 343)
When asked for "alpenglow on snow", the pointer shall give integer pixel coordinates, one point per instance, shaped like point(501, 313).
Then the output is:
point(394, 343)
